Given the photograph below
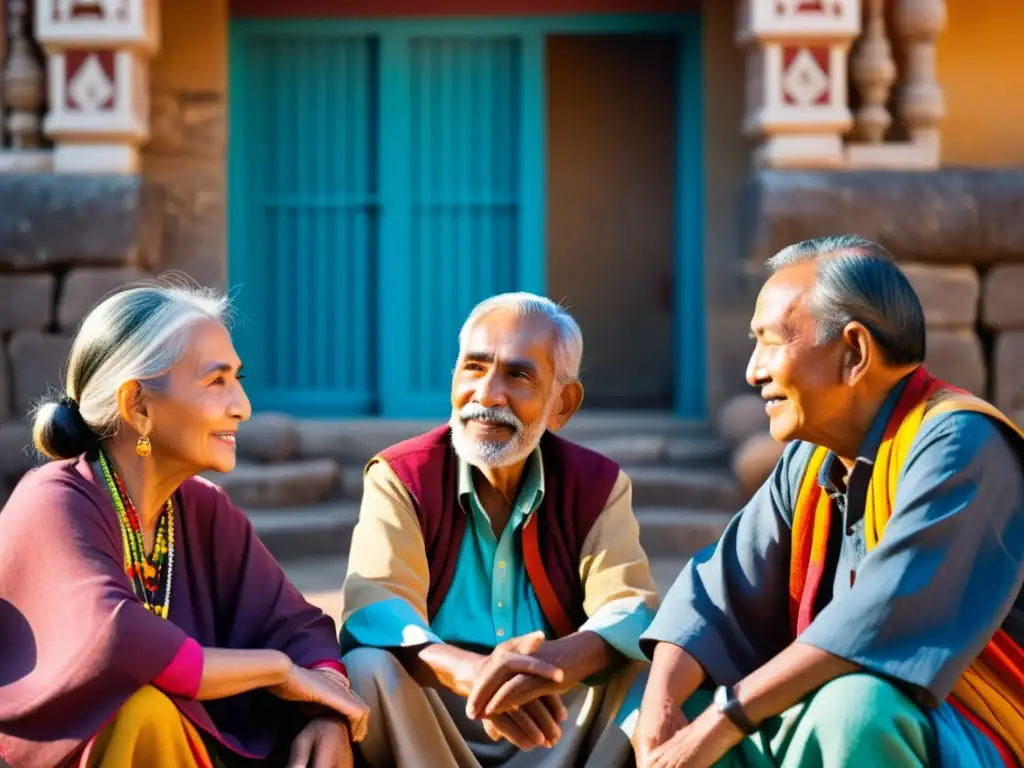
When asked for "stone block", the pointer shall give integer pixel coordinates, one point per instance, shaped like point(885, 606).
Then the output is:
point(38, 361)
point(999, 195)
point(187, 124)
point(26, 302)
point(970, 216)
point(741, 417)
point(955, 356)
point(1002, 297)
point(72, 220)
point(268, 438)
point(195, 239)
point(949, 295)
point(84, 288)
point(1008, 371)
point(754, 461)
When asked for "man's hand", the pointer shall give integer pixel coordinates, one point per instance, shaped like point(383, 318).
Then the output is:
point(535, 725)
point(658, 722)
point(578, 656)
point(515, 658)
point(700, 744)
point(324, 743)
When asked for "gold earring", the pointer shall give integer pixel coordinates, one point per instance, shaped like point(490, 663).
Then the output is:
point(144, 447)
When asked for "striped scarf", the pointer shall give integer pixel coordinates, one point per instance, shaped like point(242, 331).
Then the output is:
point(990, 693)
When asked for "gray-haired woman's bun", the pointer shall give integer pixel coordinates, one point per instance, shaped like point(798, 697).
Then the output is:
point(60, 432)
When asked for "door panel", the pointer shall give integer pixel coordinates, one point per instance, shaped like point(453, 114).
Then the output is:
point(307, 312)
point(461, 201)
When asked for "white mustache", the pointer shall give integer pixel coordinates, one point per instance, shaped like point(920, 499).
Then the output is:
point(496, 415)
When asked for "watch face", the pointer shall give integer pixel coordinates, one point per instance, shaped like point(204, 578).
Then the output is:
point(721, 696)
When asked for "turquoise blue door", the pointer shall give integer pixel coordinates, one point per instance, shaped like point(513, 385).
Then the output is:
point(384, 176)
point(305, 248)
point(379, 180)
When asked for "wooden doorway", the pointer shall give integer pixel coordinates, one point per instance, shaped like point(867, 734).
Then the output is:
point(611, 208)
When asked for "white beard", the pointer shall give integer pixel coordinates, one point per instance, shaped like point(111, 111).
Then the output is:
point(494, 455)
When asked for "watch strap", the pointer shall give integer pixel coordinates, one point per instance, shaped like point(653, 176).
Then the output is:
point(735, 713)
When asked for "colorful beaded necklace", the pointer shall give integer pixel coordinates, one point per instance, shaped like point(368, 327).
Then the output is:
point(147, 574)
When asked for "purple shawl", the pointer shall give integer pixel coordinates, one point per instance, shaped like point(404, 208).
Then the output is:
point(76, 643)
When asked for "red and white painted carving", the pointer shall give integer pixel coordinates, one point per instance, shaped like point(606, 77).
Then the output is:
point(90, 81)
point(793, 7)
point(806, 77)
point(101, 10)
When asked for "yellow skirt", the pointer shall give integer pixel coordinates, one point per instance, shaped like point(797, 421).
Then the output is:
point(147, 731)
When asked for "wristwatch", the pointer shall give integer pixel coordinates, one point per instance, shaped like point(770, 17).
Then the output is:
point(729, 705)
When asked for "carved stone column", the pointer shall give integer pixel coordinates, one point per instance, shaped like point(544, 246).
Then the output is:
point(921, 103)
point(99, 54)
point(22, 92)
point(797, 78)
point(873, 71)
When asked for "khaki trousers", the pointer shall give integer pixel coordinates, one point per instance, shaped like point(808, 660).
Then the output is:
point(414, 727)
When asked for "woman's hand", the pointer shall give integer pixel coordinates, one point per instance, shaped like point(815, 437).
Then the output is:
point(329, 689)
point(324, 743)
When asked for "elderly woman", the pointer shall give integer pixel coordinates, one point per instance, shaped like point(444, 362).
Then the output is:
point(142, 622)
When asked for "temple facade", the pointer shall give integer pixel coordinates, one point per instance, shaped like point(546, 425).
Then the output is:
point(359, 174)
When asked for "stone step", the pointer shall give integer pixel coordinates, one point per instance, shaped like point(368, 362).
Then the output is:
point(325, 530)
point(270, 437)
point(302, 483)
point(653, 485)
point(666, 486)
point(288, 484)
point(696, 451)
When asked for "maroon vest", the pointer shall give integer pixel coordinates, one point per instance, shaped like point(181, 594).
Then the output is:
point(577, 483)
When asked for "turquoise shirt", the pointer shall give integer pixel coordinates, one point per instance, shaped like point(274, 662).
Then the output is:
point(491, 599)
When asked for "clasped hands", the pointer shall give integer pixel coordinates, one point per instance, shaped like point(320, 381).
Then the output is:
point(516, 691)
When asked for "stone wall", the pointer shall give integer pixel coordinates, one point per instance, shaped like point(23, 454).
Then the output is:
point(185, 159)
point(959, 237)
point(65, 243)
point(186, 154)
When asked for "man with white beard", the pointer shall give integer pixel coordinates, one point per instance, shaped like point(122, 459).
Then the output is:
point(496, 587)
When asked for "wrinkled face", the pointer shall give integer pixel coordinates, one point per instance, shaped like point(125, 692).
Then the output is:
point(801, 381)
point(504, 389)
point(194, 415)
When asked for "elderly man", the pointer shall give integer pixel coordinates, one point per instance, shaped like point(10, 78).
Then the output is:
point(864, 608)
point(497, 589)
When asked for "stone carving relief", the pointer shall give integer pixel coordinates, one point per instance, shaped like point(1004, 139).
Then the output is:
point(91, 81)
point(805, 76)
point(793, 7)
point(100, 10)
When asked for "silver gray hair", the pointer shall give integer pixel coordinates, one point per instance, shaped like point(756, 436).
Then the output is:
point(135, 334)
point(858, 280)
point(568, 350)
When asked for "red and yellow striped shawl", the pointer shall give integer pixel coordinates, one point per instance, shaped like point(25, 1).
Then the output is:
point(991, 692)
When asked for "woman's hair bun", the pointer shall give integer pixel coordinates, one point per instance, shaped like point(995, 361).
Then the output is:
point(59, 431)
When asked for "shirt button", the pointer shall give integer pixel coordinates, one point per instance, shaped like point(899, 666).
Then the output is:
point(500, 633)
point(501, 604)
point(501, 563)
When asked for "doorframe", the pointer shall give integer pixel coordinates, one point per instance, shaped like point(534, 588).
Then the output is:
point(689, 348)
